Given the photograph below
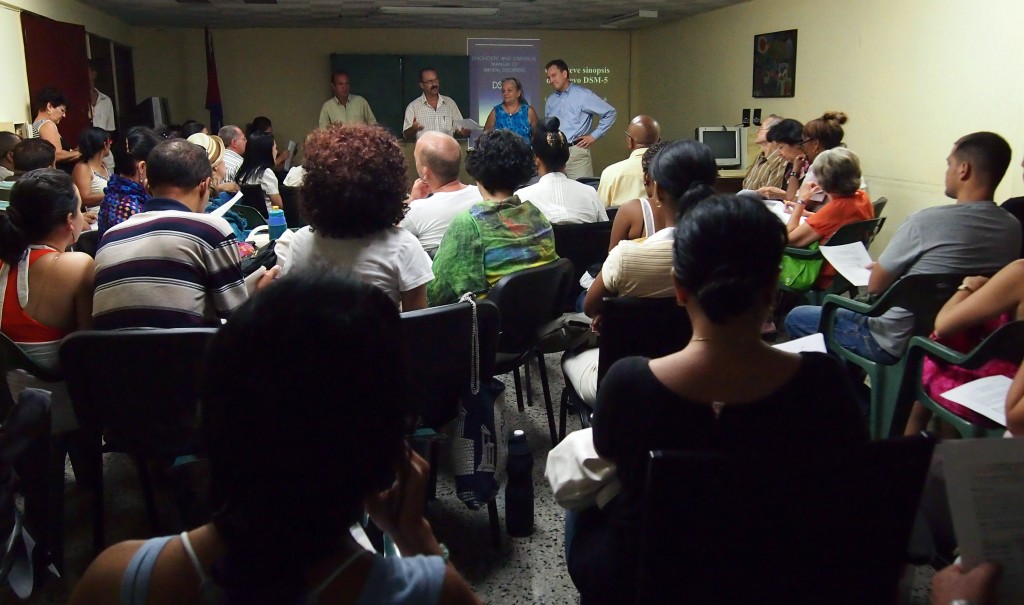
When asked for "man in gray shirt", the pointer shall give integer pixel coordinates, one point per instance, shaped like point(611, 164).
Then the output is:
point(972, 236)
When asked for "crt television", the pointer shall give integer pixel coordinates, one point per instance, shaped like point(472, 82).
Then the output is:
point(727, 143)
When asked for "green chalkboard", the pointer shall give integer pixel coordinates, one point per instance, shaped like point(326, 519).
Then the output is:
point(390, 82)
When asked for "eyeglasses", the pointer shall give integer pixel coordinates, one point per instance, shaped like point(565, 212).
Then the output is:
point(806, 141)
point(628, 136)
point(434, 81)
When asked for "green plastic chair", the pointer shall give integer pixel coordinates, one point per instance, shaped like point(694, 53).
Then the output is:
point(922, 294)
point(1006, 343)
point(860, 231)
point(252, 216)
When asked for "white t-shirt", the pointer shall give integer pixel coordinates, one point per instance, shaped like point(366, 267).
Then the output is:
point(429, 218)
point(564, 200)
point(269, 184)
point(392, 259)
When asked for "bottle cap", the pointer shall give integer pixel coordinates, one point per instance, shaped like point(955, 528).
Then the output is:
point(518, 433)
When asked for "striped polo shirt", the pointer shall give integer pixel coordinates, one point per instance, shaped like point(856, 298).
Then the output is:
point(167, 267)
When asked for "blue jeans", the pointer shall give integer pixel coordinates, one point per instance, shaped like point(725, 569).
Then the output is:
point(851, 331)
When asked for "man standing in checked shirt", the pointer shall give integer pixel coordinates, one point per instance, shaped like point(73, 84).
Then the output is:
point(575, 108)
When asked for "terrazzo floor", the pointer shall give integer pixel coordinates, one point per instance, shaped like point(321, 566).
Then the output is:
point(520, 571)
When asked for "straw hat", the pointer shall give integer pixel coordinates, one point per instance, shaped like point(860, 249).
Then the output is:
point(213, 144)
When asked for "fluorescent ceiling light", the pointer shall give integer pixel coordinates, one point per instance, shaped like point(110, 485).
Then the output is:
point(449, 11)
point(637, 18)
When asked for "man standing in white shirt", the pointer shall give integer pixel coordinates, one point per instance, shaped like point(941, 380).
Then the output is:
point(101, 111)
point(344, 107)
point(234, 147)
point(432, 111)
point(437, 195)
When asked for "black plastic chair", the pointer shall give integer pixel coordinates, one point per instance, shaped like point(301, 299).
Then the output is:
point(923, 295)
point(824, 526)
point(438, 353)
point(879, 205)
point(651, 327)
point(1006, 343)
point(290, 204)
point(528, 300)
point(593, 181)
point(584, 244)
point(138, 390)
point(88, 242)
point(612, 211)
point(253, 197)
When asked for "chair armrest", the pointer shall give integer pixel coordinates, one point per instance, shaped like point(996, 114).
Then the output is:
point(937, 350)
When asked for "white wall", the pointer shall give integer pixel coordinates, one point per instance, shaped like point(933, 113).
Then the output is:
point(912, 75)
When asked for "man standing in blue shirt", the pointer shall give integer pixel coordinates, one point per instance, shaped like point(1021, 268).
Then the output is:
point(575, 108)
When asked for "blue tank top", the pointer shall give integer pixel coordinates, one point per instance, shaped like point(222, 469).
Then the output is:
point(518, 122)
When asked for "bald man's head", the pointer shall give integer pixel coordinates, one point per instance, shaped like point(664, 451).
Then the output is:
point(643, 131)
point(440, 155)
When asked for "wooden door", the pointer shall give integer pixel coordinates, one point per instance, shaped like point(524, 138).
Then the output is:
point(55, 55)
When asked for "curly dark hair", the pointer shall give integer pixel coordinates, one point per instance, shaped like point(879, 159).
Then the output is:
point(355, 180)
point(501, 161)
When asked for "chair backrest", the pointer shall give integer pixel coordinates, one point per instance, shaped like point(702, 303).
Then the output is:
point(593, 181)
point(527, 300)
point(252, 196)
point(829, 526)
point(860, 231)
point(87, 242)
point(290, 204)
point(879, 205)
point(13, 358)
point(141, 384)
point(922, 294)
point(437, 348)
point(612, 211)
point(584, 244)
point(652, 327)
point(252, 216)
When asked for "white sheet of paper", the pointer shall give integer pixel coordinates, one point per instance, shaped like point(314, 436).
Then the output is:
point(779, 209)
point(813, 343)
point(850, 260)
point(291, 155)
point(985, 483)
point(223, 208)
point(470, 124)
point(986, 396)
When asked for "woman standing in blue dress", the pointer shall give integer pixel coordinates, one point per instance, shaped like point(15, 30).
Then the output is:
point(513, 113)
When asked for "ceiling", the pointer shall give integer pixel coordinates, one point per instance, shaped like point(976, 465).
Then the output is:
point(512, 14)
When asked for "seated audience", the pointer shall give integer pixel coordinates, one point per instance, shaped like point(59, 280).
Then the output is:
point(46, 293)
point(979, 307)
point(258, 168)
point(191, 127)
point(726, 391)
point(1015, 206)
point(353, 196)
point(971, 236)
point(624, 181)
point(126, 190)
point(170, 265)
point(217, 152)
point(682, 175)
point(234, 146)
point(821, 134)
point(262, 125)
point(788, 137)
point(769, 168)
point(437, 195)
point(51, 106)
point(561, 199)
point(90, 173)
point(498, 236)
point(838, 175)
point(287, 539)
point(30, 154)
point(7, 142)
point(637, 218)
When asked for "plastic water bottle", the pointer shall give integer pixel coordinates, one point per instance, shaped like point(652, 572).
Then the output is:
point(277, 223)
point(519, 489)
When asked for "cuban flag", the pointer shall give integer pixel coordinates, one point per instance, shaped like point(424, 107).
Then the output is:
point(212, 88)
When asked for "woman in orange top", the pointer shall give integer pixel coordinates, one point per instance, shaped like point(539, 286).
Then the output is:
point(838, 174)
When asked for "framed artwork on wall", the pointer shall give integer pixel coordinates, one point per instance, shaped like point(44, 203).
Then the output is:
point(775, 64)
